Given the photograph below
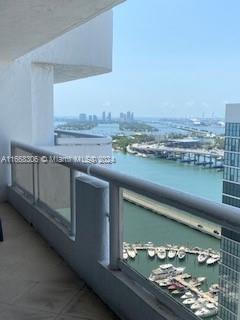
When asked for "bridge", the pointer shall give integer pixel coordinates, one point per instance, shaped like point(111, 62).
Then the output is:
point(213, 158)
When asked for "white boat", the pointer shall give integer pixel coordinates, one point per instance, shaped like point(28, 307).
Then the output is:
point(125, 254)
point(164, 283)
point(187, 295)
point(206, 312)
point(213, 259)
point(214, 288)
point(151, 252)
point(131, 253)
point(201, 279)
point(202, 257)
point(189, 301)
point(172, 253)
point(200, 303)
point(161, 253)
point(165, 271)
point(181, 253)
point(186, 276)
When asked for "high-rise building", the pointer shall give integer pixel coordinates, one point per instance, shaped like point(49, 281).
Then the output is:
point(229, 270)
point(109, 117)
point(128, 116)
point(90, 118)
point(132, 116)
point(104, 116)
point(95, 118)
point(83, 117)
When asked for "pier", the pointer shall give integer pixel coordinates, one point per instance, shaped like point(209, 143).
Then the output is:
point(173, 213)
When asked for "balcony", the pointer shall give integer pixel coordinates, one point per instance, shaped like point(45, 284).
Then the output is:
point(82, 210)
point(35, 282)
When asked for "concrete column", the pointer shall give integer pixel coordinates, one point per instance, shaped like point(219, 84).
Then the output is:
point(42, 104)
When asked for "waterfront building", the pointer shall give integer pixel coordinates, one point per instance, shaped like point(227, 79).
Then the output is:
point(104, 116)
point(109, 117)
point(132, 116)
point(83, 117)
point(229, 273)
point(128, 116)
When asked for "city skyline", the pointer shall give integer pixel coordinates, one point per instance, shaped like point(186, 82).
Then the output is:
point(182, 63)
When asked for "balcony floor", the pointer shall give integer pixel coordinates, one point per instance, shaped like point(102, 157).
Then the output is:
point(35, 283)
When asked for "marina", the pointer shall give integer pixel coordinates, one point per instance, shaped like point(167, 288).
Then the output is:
point(170, 251)
point(185, 287)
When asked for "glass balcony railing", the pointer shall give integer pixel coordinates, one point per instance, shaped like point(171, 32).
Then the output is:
point(22, 171)
point(182, 249)
point(53, 181)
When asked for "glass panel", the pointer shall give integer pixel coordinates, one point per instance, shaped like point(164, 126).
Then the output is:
point(22, 169)
point(174, 249)
point(54, 188)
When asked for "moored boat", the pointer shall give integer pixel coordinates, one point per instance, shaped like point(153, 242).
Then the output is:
point(189, 301)
point(161, 253)
point(125, 254)
point(202, 257)
point(151, 252)
point(181, 253)
point(172, 253)
point(131, 253)
point(213, 259)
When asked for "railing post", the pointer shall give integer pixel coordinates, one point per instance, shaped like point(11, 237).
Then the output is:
point(35, 182)
point(13, 174)
point(115, 204)
point(73, 175)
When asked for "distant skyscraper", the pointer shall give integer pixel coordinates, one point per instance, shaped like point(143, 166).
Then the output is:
point(90, 118)
point(109, 117)
point(128, 116)
point(132, 116)
point(121, 116)
point(104, 116)
point(95, 118)
point(83, 117)
point(229, 269)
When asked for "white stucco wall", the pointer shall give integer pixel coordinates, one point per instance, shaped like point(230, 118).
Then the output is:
point(26, 84)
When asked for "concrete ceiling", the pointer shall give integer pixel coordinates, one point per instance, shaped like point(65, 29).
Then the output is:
point(28, 24)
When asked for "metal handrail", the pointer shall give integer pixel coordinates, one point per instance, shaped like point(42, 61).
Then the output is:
point(224, 215)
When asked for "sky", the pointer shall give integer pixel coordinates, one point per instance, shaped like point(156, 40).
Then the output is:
point(171, 58)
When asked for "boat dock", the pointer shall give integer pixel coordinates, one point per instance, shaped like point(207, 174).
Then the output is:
point(174, 214)
point(192, 288)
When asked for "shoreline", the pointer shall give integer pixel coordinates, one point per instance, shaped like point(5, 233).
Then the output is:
point(172, 213)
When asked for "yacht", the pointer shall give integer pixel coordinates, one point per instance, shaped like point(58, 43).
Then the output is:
point(165, 271)
point(199, 304)
point(202, 257)
point(206, 312)
point(125, 254)
point(189, 301)
point(161, 253)
point(131, 253)
point(164, 283)
point(151, 252)
point(213, 259)
point(172, 253)
point(181, 253)
point(187, 295)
